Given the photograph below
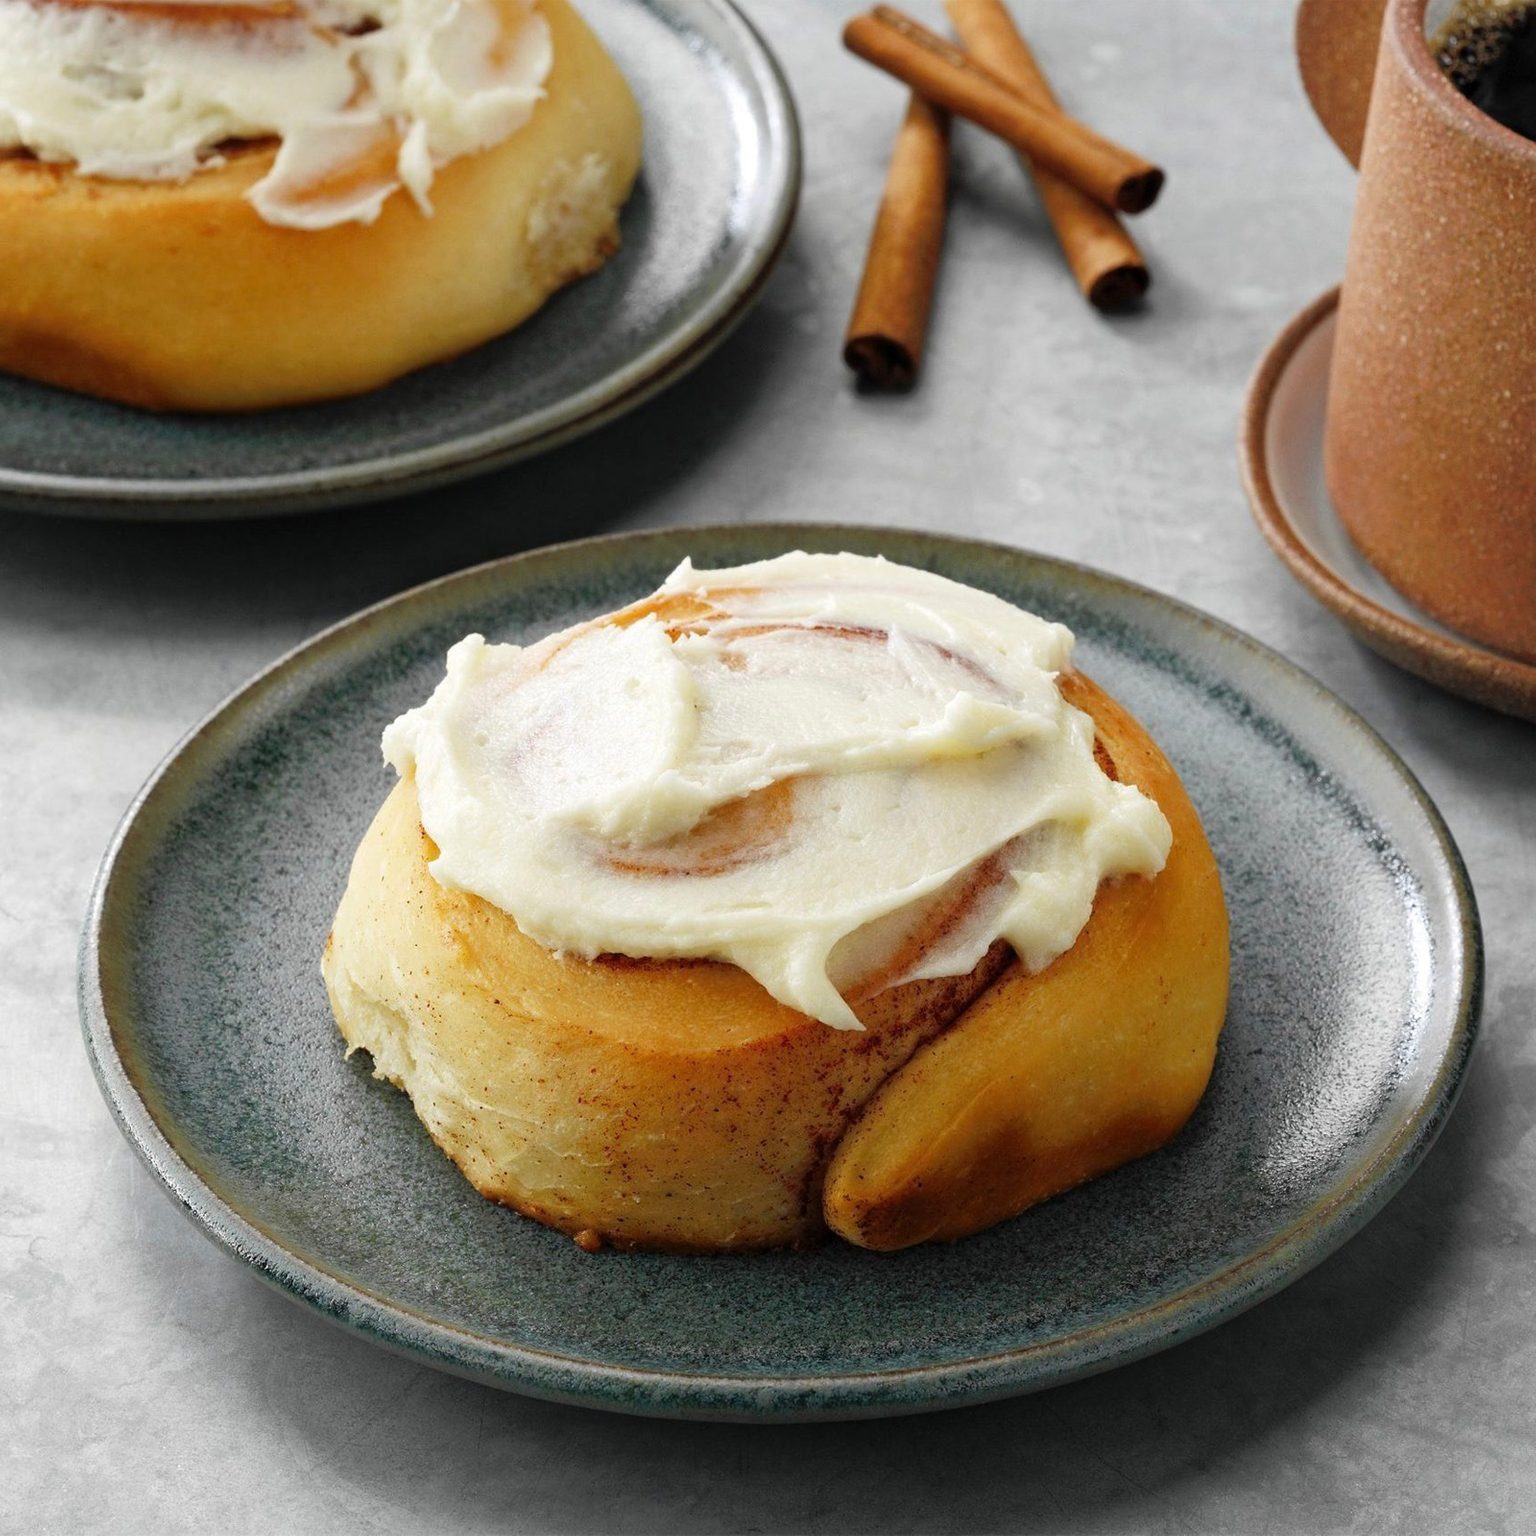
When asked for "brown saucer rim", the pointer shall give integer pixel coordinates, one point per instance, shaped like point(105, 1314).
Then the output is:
point(1459, 666)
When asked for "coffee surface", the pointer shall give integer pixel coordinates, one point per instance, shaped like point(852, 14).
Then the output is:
point(1488, 50)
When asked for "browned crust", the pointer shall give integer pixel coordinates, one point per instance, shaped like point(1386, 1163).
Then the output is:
point(1050, 1079)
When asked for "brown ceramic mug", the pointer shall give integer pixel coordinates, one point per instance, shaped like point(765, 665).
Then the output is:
point(1430, 445)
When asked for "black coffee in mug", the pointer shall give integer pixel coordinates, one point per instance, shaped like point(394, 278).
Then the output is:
point(1488, 50)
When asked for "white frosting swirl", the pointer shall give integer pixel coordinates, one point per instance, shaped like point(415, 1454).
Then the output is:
point(834, 772)
point(366, 96)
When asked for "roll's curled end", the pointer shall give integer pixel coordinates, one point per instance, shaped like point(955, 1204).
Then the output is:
point(1051, 1079)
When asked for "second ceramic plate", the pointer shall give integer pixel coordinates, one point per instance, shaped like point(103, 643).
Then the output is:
point(1356, 974)
point(709, 217)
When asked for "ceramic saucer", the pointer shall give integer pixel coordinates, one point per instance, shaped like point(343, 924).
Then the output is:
point(1282, 459)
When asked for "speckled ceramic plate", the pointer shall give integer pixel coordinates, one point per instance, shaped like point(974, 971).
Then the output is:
point(708, 219)
point(1356, 986)
point(1282, 457)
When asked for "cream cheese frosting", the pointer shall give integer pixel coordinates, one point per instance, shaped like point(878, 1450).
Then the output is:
point(825, 769)
point(365, 96)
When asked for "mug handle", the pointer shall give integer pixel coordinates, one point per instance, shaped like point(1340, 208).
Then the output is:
point(1336, 43)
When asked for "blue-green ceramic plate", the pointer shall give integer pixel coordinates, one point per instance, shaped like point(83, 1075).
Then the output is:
point(708, 219)
point(1356, 983)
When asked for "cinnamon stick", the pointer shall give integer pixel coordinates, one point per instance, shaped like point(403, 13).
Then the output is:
point(1104, 259)
point(950, 78)
point(890, 316)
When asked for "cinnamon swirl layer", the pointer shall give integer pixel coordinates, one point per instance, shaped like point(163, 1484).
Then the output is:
point(837, 774)
point(362, 97)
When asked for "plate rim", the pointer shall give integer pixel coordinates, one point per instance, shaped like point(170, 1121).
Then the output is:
point(1317, 1232)
point(403, 473)
point(1460, 666)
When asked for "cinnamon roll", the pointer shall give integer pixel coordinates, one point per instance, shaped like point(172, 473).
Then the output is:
point(236, 204)
point(815, 894)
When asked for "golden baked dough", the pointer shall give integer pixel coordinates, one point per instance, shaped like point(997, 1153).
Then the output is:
point(178, 296)
point(675, 1105)
point(1050, 1079)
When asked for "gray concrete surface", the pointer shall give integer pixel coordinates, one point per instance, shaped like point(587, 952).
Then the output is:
point(147, 1383)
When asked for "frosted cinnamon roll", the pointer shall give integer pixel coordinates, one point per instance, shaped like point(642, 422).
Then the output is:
point(225, 204)
point(814, 893)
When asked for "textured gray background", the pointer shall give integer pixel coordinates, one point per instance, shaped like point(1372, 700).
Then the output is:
point(149, 1384)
